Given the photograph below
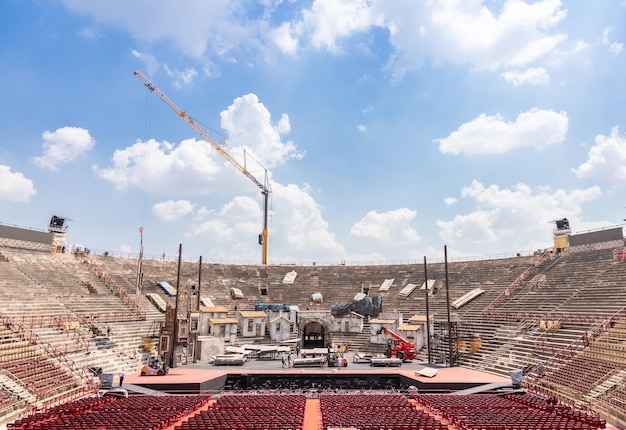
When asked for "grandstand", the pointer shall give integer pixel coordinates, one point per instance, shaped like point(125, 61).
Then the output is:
point(64, 315)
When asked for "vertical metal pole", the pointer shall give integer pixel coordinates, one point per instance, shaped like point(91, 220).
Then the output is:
point(445, 253)
point(139, 281)
point(265, 232)
point(175, 336)
point(199, 284)
point(196, 308)
point(427, 311)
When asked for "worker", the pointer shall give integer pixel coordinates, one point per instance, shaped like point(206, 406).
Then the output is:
point(541, 371)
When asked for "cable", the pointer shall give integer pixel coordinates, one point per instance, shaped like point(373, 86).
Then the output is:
point(144, 158)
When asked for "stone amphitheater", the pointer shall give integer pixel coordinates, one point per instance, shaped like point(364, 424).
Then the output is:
point(65, 314)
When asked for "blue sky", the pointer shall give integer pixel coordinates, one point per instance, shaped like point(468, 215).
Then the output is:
point(387, 129)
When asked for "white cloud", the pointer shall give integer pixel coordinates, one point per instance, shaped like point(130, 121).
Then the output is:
point(217, 229)
point(462, 32)
point(449, 201)
point(172, 210)
point(605, 36)
point(283, 38)
point(330, 20)
point(14, 187)
point(195, 167)
point(241, 207)
point(476, 227)
point(249, 125)
point(513, 216)
point(362, 128)
point(89, 33)
point(302, 227)
point(162, 168)
point(195, 27)
point(181, 79)
point(63, 146)
point(283, 126)
point(487, 134)
point(296, 224)
point(237, 221)
point(392, 226)
point(530, 76)
point(606, 159)
point(614, 47)
point(467, 32)
point(150, 61)
point(455, 31)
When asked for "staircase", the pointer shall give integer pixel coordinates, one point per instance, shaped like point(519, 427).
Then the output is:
point(16, 388)
point(354, 341)
point(616, 379)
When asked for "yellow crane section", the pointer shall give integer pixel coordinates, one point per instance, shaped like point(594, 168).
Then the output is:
point(265, 189)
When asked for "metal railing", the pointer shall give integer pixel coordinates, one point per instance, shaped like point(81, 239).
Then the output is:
point(490, 311)
point(50, 350)
point(138, 313)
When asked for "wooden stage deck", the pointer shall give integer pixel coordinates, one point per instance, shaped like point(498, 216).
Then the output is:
point(186, 378)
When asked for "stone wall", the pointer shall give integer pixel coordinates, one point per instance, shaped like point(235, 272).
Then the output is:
point(596, 246)
point(25, 238)
point(22, 244)
point(209, 346)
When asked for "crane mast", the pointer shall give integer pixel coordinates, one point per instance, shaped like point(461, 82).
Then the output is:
point(265, 189)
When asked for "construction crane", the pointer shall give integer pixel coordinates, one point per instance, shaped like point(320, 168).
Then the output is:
point(265, 189)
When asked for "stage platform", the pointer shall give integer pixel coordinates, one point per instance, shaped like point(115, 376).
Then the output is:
point(203, 377)
point(414, 377)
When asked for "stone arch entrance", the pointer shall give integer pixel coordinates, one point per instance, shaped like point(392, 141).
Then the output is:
point(315, 335)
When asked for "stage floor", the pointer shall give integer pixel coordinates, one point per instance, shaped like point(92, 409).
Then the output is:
point(198, 373)
point(193, 375)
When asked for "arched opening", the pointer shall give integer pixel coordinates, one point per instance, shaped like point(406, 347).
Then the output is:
point(314, 335)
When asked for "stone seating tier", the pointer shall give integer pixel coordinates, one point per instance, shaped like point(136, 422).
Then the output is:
point(67, 286)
